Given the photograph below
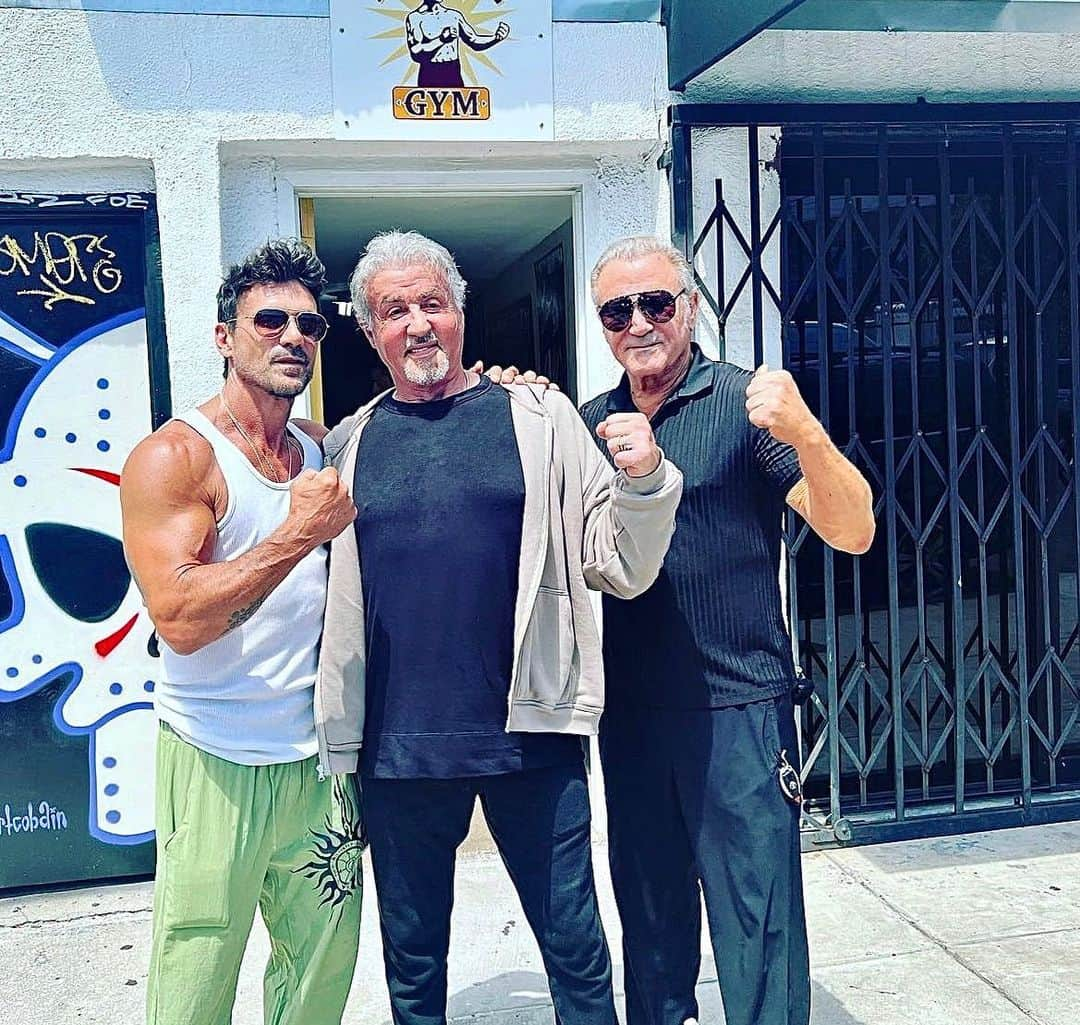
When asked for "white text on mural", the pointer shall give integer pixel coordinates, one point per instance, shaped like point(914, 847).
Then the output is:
point(44, 816)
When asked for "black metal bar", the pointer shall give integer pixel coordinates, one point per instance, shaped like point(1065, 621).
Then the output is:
point(821, 219)
point(681, 183)
point(1023, 680)
point(922, 826)
point(863, 114)
point(721, 270)
point(1072, 195)
point(160, 386)
point(1045, 681)
point(956, 569)
point(885, 322)
point(756, 298)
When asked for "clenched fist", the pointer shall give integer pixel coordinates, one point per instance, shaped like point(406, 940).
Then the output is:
point(774, 403)
point(631, 443)
point(319, 506)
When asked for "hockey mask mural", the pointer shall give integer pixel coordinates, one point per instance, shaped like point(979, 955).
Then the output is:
point(73, 611)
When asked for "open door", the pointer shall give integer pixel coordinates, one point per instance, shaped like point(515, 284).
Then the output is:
point(515, 251)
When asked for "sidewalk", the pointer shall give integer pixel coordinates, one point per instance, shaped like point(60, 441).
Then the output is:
point(975, 930)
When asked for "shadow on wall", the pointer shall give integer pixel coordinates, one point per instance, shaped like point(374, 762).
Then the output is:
point(211, 63)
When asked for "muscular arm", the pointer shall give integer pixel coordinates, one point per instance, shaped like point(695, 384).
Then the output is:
point(833, 496)
point(169, 534)
point(478, 40)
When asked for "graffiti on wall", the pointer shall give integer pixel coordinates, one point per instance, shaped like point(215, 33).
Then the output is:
point(74, 354)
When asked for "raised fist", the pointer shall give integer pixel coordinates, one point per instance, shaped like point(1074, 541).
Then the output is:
point(320, 507)
point(502, 31)
point(631, 443)
point(773, 402)
point(447, 35)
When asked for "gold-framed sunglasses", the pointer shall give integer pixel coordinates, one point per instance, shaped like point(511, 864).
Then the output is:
point(657, 307)
point(270, 322)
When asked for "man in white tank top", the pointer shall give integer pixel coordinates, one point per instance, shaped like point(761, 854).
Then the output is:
point(227, 512)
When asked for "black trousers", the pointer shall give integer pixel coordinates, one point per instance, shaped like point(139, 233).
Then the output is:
point(694, 802)
point(540, 822)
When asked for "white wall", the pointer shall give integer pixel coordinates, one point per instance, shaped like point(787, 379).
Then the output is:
point(215, 113)
point(175, 103)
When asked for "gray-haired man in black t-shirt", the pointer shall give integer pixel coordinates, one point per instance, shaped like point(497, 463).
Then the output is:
point(460, 657)
point(698, 740)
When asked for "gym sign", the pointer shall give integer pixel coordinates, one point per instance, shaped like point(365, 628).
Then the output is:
point(442, 69)
point(466, 104)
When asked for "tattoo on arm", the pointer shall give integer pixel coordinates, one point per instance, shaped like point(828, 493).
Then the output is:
point(241, 616)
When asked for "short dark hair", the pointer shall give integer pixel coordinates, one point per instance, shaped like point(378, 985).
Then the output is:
point(273, 263)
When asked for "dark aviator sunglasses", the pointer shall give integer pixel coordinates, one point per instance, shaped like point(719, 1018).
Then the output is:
point(270, 323)
point(656, 307)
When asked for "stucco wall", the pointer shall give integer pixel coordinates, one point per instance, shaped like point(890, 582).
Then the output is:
point(170, 102)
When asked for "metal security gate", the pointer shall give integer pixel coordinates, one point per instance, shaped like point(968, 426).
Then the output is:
point(923, 272)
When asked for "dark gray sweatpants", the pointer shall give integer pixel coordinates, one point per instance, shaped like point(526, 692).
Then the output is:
point(695, 806)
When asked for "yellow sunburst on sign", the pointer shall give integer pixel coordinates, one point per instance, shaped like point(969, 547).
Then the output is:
point(441, 43)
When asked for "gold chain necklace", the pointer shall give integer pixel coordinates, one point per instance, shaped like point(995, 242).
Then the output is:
point(263, 463)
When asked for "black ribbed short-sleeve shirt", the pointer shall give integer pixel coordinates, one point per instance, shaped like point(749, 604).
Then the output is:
point(710, 631)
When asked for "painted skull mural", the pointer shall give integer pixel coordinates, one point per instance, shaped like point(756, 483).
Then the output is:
point(75, 606)
point(74, 400)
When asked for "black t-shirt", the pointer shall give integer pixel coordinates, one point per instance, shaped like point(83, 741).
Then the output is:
point(441, 494)
point(710, 632)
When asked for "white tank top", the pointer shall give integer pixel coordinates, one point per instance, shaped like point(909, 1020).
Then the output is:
point(247, 697)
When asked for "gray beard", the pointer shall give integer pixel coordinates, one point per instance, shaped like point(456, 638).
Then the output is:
point(429, 371)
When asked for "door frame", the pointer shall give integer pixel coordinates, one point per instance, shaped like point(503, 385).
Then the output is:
point(470, 180)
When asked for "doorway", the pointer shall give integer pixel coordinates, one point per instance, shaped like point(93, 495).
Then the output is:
point(515, 251)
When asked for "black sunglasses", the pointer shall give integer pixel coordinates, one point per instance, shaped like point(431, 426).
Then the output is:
point(270, 323)
point(656, 307)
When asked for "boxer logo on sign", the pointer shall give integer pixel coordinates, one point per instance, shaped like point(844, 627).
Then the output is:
point(444, 42)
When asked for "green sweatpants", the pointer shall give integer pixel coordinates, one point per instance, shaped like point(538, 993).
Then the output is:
point(230, 837)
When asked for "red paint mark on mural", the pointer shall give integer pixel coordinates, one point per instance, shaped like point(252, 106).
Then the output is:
point(105, 475)
point(107, 645)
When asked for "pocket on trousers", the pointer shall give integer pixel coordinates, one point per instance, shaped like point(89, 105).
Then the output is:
point(196, 883)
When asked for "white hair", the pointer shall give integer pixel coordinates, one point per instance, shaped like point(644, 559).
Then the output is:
point(401, 249)
point(637, 246)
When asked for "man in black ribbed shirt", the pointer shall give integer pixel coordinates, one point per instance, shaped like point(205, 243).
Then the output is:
point(698, 741)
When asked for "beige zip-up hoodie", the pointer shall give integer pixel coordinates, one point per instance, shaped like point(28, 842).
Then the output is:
point(584, 526)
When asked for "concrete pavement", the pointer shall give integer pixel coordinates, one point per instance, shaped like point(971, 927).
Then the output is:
point(981, 929)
